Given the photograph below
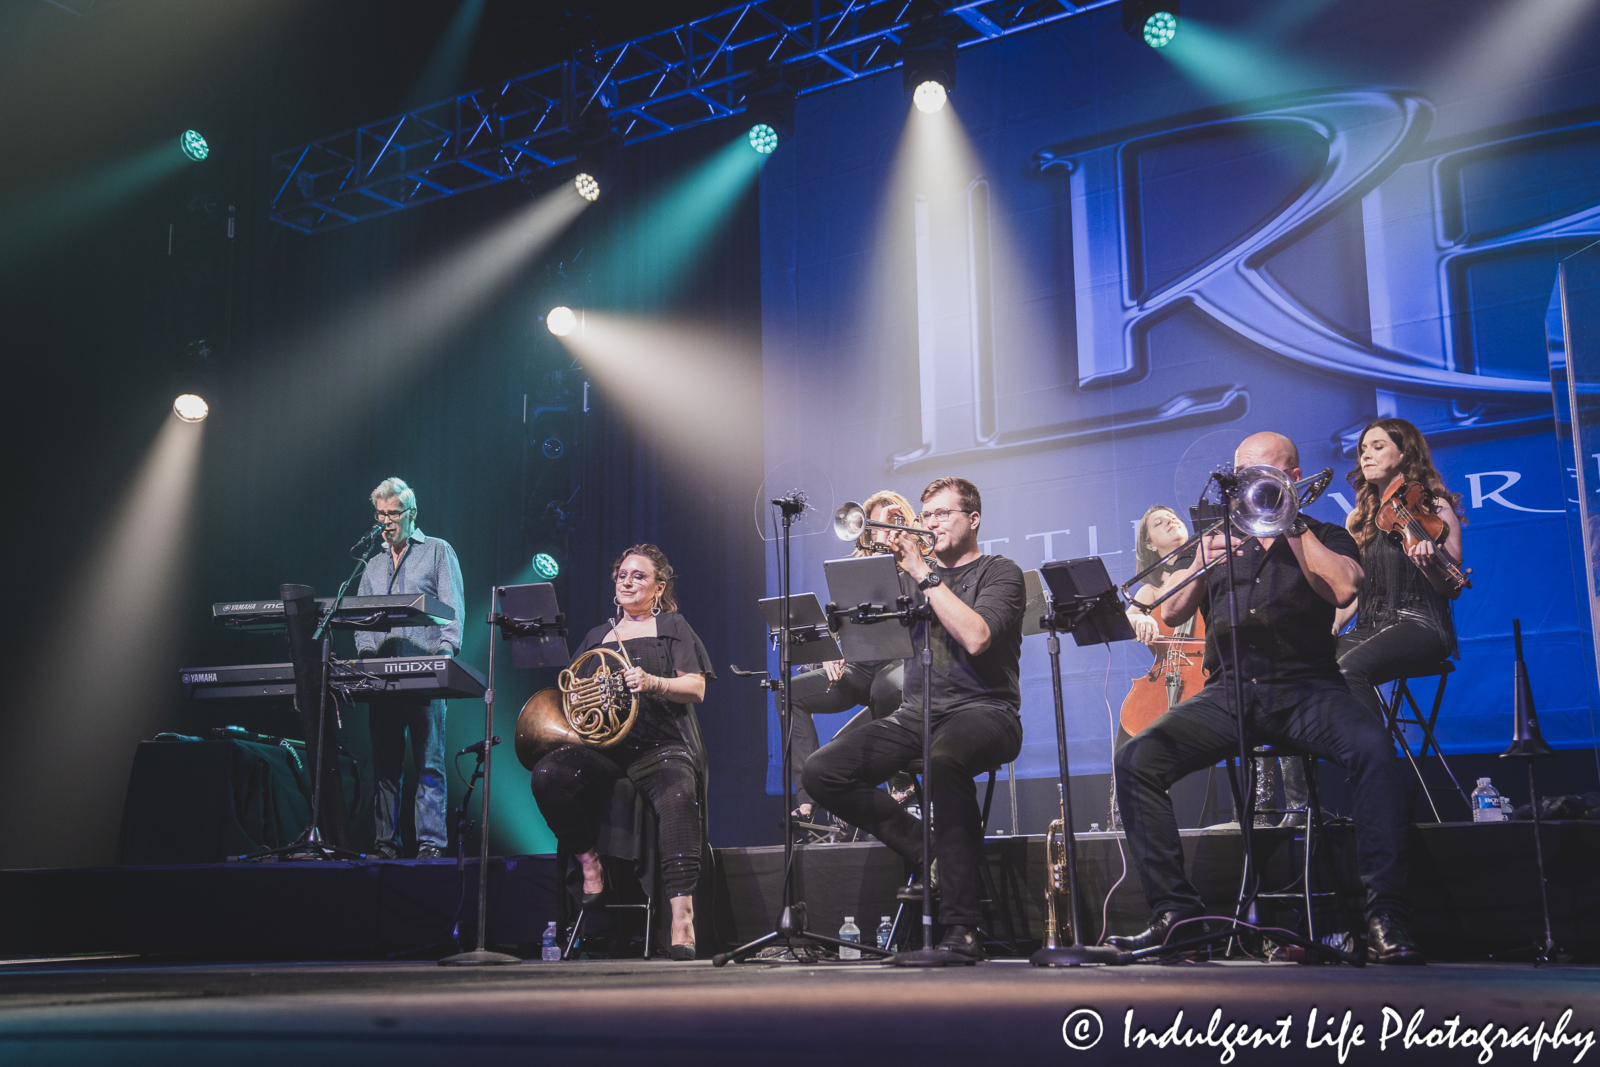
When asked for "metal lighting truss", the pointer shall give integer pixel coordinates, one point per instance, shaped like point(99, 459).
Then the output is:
point(654, 85)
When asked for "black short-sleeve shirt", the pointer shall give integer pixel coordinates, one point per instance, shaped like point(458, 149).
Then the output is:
point(1285, 628)
point(676, 647)
point(993, 587)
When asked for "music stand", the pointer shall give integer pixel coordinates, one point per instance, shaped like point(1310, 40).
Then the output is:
point(1083, 602)
point(537, 631)
point(792, 921)
point(810, 640)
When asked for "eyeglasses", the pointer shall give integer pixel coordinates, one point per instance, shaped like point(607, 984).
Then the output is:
point(384, 516)
point(939, 515)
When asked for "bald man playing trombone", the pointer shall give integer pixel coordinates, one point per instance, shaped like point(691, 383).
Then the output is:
point(1287, 590)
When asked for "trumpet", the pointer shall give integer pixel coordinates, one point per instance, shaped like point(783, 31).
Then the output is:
point(851, 520)
point(1265, 503)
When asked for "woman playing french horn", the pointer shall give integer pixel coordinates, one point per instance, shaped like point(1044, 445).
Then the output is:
point(660, 754)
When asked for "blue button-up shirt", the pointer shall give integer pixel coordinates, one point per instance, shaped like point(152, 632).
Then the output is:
point(428, 566)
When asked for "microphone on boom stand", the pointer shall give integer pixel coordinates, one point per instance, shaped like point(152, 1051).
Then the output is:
point(365, 544)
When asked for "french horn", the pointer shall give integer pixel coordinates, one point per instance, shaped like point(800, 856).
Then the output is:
point(593, 709)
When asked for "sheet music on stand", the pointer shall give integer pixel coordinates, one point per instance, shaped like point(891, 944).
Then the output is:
point(810, 639)
point(863, 589)
point(534, 608)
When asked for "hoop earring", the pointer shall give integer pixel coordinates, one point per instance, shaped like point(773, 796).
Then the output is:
point(618, 603)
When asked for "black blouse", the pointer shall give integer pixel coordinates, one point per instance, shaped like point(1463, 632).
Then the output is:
point(1394, 589)
point(676, 647)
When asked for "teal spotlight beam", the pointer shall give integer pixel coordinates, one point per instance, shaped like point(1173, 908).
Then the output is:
point(442, 75)
point(1231, 66)
point(67, 205)
point(673, 229)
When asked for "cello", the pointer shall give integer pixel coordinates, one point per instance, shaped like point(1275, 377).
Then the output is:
point(1178, 672)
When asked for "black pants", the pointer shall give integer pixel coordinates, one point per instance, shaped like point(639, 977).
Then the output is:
point(875, 686)
point(573, 783)
point(1322, 718)
point(844, 774)
point(1368, 659)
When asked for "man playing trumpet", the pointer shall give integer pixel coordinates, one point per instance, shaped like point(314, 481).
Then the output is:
point(1287, 589)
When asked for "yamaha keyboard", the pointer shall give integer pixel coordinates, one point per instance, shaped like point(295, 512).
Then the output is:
point(355, 613)
point(415, 677)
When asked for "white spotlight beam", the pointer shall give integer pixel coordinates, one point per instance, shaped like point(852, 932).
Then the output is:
point(108, 673)
point(1501, 60)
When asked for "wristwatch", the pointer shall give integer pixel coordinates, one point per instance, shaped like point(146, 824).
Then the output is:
point(930, 580)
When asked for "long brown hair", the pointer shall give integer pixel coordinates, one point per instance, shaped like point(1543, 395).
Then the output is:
point(664, 572)
point(1416, 465)
point(1144, 553)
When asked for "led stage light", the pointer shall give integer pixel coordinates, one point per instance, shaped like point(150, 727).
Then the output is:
point(194, 146)
point(763, 138)
point(561, 320)
point(929, 96)
point(545, 566)
point(587, 185)
point(191, 408)
point(1160, 28)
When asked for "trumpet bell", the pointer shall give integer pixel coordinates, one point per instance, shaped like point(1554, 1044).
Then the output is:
point(849, 521)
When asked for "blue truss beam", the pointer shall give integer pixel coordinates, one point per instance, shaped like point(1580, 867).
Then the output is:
point(649, 87)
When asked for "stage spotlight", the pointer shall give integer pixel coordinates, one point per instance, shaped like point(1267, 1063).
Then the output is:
point(769, 108)
point(545, 566)
point(561, 320)
point(194, 146)
point(929, 96)
point(587, 185)
point(763, 138)
point(1155, 22)
point(928, 55)
point(191, 408)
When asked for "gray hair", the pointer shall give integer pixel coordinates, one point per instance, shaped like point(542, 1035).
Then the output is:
point(396, 489)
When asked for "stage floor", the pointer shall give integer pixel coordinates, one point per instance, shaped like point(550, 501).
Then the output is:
point(126, 1012)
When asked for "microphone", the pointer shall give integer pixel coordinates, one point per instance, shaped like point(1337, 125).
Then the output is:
point(477, 747)
point(366, 538)
point(793, 503)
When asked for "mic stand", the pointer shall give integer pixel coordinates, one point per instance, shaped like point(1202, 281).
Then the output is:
point(310, 844)
point(536, 628)
point(792, 922)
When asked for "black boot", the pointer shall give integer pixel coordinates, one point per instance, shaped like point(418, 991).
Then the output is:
point(1156, 933)
point(1388, 941)
point(963, 941)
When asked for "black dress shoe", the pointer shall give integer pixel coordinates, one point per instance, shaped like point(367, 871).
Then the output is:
point(682, 952)
point(1388, 941)
point(1157, 932)
point(911, 893)
point(962, 941)
point(430, 852)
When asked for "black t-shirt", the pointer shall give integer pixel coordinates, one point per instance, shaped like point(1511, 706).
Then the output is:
point(993, 587)
point(1285, 628)
point(676, 647)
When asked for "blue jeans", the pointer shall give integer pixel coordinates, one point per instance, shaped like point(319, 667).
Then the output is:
point(387, 723)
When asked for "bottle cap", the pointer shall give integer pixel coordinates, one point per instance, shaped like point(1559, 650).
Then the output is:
point(1483, 781)
point(887, 919)
point(849, 918)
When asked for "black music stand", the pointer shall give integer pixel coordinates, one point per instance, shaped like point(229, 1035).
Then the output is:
point(791, 929)
point(1084, 603)
point(535, 642)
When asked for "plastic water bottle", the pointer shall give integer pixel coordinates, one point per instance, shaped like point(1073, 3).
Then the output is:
point(1486, 803)
point(885, 929)
point(552, 950)
point(850, 932)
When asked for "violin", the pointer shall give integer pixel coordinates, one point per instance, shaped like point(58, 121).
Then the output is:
point(1408, 517)
point(1178, 672)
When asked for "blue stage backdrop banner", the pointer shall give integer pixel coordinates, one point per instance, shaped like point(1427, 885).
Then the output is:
point(1104, 265)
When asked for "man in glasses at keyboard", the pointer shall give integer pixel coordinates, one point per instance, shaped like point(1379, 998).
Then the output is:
point(410, 562)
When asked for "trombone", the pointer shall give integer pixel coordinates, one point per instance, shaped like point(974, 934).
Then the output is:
point(1265, 503)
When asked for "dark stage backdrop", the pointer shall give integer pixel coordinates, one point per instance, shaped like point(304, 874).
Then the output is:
point(1300, 216)
point(301, 430)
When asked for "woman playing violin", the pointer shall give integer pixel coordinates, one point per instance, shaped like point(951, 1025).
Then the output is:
point(1409, 528)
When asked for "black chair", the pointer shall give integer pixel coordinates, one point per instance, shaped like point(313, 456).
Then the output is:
point(1399, 702)
point(992, 897)
point(1301, 888)
point(631, 819)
